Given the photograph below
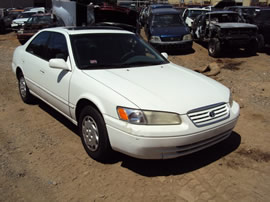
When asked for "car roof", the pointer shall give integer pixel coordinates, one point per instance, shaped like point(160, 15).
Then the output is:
point(198, 9)
point(89, 30)
point(161, 11)
point(221, 12)
point(251, 7)
point(42, 14)
point(154, 6)
point(29, 12)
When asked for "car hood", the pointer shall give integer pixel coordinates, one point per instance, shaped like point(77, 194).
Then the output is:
point(20, 20)
point(163, 87)
point(169, 31)
point(235, 25)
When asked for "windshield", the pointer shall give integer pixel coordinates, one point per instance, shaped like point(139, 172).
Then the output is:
point(195, 13)
point(26, 15)
point(40, 19)
point(168, 20)
point(99, 51)
point(226, 17)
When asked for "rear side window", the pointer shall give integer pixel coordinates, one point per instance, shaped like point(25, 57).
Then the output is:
point(38, 46)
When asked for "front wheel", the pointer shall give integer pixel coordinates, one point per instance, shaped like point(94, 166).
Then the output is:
point(252, 48)
point(24, 90)
point(93, 133)
point(260, 42)
point(214, 48)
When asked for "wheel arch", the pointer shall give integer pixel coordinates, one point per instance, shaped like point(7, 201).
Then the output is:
point(18, 72)
point(81, 104)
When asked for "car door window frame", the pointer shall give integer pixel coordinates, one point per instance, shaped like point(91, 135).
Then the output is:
point(41, 52)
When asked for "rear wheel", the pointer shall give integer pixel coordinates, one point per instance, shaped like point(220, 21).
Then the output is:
point(24, 90)
point(214, 48)
point(93, 132)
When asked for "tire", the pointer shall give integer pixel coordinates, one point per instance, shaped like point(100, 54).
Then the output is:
point(252, 47)
point(214, 48)
point(26, 96)
point(260, 42)
point(93, 133)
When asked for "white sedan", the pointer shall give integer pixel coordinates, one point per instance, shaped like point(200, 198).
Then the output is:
point(122, 94)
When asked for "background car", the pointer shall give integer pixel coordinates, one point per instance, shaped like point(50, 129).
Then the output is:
point(225, 28)
point(262, 20)
point(247, 12)
point(36, 23)
point(10, 15)
point(166, 30)
point(122, 94)
point(150, 8)
point(22, 19)
point(190, 14)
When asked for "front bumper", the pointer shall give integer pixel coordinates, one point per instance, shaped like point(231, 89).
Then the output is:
point(238, 42)
point(173, 45)
point(165, 142)
point(15, 26)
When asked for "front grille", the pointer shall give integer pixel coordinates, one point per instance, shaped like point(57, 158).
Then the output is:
point(241, 32)
point(171, 38)
point(210, 114)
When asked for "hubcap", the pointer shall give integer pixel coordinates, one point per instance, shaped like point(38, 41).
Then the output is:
point(22, 87)
point(90, 133)
point(211, 48)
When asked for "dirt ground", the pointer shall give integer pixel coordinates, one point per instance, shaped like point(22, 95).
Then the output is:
point(42, 158)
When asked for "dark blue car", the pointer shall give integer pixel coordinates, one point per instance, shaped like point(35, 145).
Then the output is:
point(165, 29)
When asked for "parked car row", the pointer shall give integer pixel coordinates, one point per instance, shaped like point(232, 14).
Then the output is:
point(233, 26)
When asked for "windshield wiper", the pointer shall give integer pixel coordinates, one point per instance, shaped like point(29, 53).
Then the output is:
point(100, 66)
point(120, 65)
point(140, 63)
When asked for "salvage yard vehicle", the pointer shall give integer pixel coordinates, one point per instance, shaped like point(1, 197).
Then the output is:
point(122, 94)
point(36, 23)
point(225, 28)
point(190, 14)
point(21, 19)
point(247, 12)
point(262, 20)
point(166, 30)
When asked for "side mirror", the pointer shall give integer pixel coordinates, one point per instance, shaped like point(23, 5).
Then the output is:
point(165, 55)
point(58, 63)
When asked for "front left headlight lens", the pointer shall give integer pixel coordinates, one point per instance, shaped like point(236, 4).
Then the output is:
point(155, 39)
point(145, 117)
point(187, 37)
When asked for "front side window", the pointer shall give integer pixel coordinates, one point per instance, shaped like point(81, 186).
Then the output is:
point(38, 45)
point(57, 47)
point(99, 51)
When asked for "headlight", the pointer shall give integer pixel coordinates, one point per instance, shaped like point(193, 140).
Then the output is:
point(20, 31)
point(155, 39)
point(145, 117)
point(187, 37)
point(231, 100)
